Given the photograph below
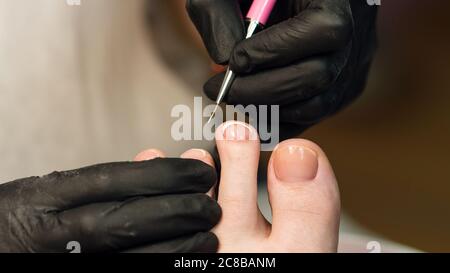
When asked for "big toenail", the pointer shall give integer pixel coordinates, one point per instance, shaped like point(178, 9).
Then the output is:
point(295, 163)
point(236, 131)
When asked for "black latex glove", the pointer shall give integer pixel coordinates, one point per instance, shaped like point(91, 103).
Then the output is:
point(157, 206)
point(312, 59)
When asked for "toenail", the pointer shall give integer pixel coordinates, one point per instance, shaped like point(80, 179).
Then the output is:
point(195, 153)
point(148, 155)
point(236, 131)
point(295, 163)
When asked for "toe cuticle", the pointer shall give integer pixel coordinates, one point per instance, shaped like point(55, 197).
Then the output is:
point(238, 131)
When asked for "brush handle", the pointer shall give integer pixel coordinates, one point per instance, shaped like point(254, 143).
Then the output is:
point(260, 10)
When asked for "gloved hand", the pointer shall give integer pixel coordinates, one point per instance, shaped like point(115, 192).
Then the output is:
point(312, 59)
point(157, 206)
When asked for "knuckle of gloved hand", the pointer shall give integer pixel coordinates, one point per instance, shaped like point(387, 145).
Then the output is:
point(337, 27)
point(53, 178)
point(324, 73)
point(100, 177)
point(18, 192)
point(89, 226)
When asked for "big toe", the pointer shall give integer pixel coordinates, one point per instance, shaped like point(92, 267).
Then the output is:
point(304, 197)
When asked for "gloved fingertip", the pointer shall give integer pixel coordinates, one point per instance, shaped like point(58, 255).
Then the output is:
point(214, 212)
point(240, 61)
point(202, 176)
point(212, 86)
point(211, 243)
point(206, 243)
point(208, 176)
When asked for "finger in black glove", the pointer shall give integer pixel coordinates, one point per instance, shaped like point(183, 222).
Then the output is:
point(157, 205)
point(312, 59)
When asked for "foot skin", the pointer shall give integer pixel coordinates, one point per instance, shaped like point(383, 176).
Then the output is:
point(303, 194)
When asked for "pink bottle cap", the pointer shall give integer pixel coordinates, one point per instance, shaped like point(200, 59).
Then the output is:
point(260, 10)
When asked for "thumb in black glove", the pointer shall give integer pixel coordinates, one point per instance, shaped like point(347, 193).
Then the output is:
point(312, 59)
point(156, 206)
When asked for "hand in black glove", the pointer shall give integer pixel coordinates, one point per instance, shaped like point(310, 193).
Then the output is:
point(156, 206)
point(312, 59)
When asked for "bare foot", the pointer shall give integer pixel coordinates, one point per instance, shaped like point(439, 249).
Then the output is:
point(303, 194)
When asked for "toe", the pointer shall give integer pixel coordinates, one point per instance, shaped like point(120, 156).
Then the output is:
point(238, 146)
point(199, 154)
point(304, 197)
point(149, 155)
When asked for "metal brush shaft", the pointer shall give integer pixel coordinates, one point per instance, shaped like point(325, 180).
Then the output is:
point(230, 75)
